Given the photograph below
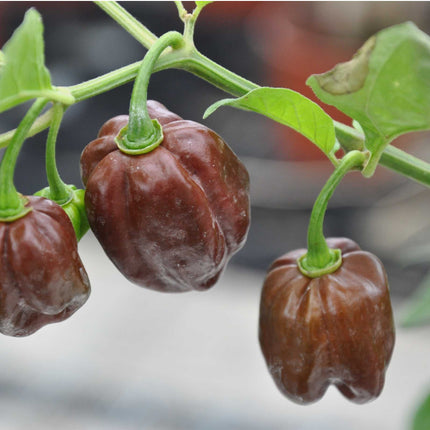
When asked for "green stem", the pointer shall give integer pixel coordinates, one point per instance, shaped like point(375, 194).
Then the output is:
point(182, 12)
point(392, 158)
point(59, 191)
point(42, 123)
point(11, 203)
point(144, 133)
point(216, 75)
point(406, 164)
point(185, 59)
point(320, 259)
point(105, 83)
point(189, 20)
point(128, 22)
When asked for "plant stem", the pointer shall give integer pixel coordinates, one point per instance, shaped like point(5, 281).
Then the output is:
point(320, 257)
point(105, 83)
point(190, 19)
point(182, 12)
point(42, 123)
point(142, 131)
point(11, 203)
point(128, 22)
point(58, 189)
point(184, 59)
point(406, 164)
point(219, 76)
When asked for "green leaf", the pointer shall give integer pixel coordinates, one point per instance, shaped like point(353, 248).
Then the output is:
point(417, 311)
point(422, 416)
point(385, 86)
point(23, 74)
point(289, 108)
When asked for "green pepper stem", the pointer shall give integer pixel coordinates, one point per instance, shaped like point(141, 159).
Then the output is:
point(58, 189)
point(320, 258)
point(142, 131)
point(11, 203)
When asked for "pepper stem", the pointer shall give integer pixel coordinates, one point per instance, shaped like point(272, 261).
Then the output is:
point(320, 259)
point(12, 204)
point(142, 134)
point(58, 190)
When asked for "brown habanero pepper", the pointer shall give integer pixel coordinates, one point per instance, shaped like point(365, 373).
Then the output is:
point(169, 219)
point(42, 279)
point(334, 329)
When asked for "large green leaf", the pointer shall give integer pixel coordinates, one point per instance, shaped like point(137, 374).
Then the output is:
point(385, 87)
point(289, 108)
point(23, 74)
point(422, 416)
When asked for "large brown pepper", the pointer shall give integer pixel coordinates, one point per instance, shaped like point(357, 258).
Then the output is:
point(42, 279)
point(169, 219)
point(336, 329)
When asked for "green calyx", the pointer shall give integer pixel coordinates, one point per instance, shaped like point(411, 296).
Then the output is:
point(13, 213)
point(49, 194)
point(74, 207)
point(315, 272)
point(141, 146)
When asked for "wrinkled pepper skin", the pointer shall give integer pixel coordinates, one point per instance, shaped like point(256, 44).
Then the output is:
point(42, 279)
point(169, 219)
point(336, 329)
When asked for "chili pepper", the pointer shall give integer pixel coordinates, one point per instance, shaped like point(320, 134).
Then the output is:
point(42, 279)
point(169, 219)
point(334, 329)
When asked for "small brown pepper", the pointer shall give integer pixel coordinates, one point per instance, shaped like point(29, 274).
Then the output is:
point(42, 279)
point(169, 219)
point(336, 329)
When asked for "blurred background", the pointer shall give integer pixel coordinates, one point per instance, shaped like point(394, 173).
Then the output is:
point(135, 359)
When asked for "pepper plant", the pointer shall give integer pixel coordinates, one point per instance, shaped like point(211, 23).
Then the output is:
point(169, 200)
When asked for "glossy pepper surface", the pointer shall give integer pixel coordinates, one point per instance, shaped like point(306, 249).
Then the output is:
point(336, 329)
point(169, 219)
point(42, 279)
